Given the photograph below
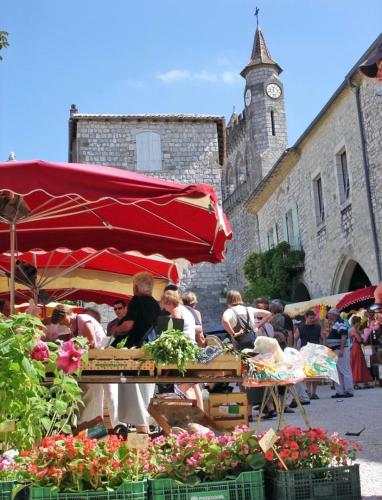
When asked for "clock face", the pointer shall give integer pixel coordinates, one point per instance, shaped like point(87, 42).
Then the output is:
point(248, 97)
point(273, 91)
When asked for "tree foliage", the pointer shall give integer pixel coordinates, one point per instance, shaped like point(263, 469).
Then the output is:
point(3, 41)
point(270, 273)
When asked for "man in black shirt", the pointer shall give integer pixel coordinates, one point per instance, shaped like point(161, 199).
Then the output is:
point(142, 315)
point(310, 331)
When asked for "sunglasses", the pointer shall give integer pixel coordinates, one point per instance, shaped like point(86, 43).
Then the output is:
point(118, 308)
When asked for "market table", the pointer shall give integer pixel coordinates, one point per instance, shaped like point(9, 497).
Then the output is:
point(271, 392)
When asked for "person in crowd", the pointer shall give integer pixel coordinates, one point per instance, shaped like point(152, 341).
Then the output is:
point(278, 322)
point(190, 301)
point(5, 309)
point(120, 309)
point(85, 325)
point(262, 303)
point(309, 331)
point(240, 321)
point(360, 372)
point(243, 324)
point(172, 303)
point(288, 323)
point(133, 329)
point(338, 341)
point(266, 330)
point(93, 311)
point(110, 391)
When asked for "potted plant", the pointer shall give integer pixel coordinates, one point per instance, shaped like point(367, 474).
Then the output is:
point(205, 465)
point(62, 467)
point(319, 466)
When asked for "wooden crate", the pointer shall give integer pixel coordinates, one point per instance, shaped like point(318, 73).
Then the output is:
point(120, 360)
point(222, 365)
point(218, 405)
point(111, 353)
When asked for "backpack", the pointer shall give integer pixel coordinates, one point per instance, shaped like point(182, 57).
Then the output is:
point(247, 340)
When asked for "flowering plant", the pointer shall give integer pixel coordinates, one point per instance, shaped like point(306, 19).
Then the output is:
point(27, 406)
point(205, 457)
point(7, 465)
point(67, 463)
point(302, 449)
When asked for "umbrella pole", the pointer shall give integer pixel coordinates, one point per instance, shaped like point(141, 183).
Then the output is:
point(13, 266)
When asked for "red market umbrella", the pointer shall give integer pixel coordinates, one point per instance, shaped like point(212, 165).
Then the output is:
point(96, 296)
point(65, 204)
point(107, 270)
point(363, 297)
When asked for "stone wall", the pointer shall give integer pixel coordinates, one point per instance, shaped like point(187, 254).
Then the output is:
point(346, 232)
point(190, 155)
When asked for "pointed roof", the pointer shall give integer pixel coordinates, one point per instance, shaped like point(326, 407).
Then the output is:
point(260, 55)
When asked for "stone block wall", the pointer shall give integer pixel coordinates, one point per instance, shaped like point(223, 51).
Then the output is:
point(190, 155)
point(346, 231)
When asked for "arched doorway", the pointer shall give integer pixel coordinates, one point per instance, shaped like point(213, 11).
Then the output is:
point(300, 293)
point(349, 276)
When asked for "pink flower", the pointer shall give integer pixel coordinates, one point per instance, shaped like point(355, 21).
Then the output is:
point(69, 358)
point(40, 352)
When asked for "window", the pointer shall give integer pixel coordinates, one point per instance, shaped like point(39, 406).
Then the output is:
point(292, 227)
point(149, 154)
point(319, 200)
point(343, 176)
point(270, 238)
point(273, 123)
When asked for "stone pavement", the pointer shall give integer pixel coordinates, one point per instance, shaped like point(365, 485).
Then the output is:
point(350, 415)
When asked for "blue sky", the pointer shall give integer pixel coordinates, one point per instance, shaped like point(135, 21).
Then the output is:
point(165, 56)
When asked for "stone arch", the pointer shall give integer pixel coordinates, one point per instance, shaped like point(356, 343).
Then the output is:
point(349, 276)
point(300, 293)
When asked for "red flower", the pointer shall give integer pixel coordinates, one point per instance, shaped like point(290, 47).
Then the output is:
point(69, 358)
point(269, 455)
point(294, 445)
point(40, 352)
point(313, 449)
point(294, 455)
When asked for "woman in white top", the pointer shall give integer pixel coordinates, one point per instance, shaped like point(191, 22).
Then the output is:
point(172, 303)
point(237, 315)
point(84, 325)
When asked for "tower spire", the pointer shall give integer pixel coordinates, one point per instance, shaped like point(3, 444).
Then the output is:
point(260, 53)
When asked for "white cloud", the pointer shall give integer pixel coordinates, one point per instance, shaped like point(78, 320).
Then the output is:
point(177, 75)
point(230, 77)
point(174, 75)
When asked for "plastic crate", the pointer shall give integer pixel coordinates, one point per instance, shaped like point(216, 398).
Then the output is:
point(247, 486)
point(127, 491)
point(6, 490)
point(334, 483)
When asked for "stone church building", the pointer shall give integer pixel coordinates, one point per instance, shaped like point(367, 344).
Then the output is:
point(322, 194)
point(180, 148)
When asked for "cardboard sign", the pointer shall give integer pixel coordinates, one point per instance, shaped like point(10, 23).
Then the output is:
point(138, 441)
point(268, 440)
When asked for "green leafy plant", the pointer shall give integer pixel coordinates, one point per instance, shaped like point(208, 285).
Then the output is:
point(271, 273)
point(29, 409)
point(173, 347)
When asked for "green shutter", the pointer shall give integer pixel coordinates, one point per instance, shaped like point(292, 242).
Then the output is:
point(296, 227)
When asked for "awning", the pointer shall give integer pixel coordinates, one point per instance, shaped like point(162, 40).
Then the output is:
point(363, 297)
point(301, 307)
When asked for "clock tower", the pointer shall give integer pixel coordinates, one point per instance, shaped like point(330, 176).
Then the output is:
point(266, 133)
